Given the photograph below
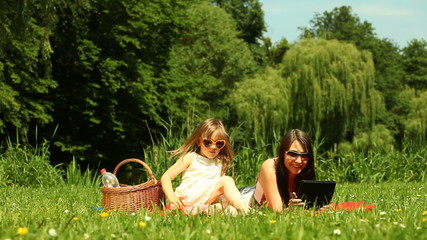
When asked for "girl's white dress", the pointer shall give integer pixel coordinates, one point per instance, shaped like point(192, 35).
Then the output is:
point(198, 183)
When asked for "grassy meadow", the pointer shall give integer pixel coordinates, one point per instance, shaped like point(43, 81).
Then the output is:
point(40, 201)
point(71, 212)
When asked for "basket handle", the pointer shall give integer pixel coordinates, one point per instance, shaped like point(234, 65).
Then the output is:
point(136, 161)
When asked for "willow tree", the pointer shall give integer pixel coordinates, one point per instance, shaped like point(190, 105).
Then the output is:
point(261, 103)
point(416, 123)
point(332, 88)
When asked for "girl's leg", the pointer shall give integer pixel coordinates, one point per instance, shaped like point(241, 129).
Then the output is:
point(227, 187)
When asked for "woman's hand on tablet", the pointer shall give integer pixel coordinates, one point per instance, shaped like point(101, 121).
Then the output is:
point(295, 201)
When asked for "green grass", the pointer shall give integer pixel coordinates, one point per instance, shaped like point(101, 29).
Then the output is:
point(57, 202)
point(400, 213)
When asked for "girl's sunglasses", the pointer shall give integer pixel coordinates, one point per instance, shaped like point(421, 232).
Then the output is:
point(218, 143)
point(293, 155)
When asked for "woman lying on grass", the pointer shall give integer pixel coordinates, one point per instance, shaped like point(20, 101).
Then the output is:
point(279, 177)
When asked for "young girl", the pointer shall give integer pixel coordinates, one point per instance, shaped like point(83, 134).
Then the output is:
point(203, 161)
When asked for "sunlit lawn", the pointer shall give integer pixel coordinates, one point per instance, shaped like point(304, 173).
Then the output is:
point(70, 212)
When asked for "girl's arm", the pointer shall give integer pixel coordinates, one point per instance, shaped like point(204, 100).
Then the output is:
point(180, 166)
point(267, 179)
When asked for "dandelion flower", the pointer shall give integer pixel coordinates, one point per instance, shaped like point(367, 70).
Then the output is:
point(75, 218)
point(337, 232)
point(424, 219)
point(22, 231)
point(425, 212)
point(52, 232)
point(142, 224)
point(398, 210)
point(104, 214)
point(273, 221)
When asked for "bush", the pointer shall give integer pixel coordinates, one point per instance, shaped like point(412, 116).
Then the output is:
point(28, 166)
point(379, 140)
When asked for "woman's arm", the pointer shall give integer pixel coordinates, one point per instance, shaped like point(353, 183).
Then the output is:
point(267, 179)
point(180, 166)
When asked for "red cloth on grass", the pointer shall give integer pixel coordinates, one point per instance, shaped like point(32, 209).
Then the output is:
point(352, 206)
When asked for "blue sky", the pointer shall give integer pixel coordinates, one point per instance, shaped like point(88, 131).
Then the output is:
point(397, 20)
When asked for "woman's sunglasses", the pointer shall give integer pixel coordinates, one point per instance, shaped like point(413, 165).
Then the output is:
point(218, 143)
point(293, 155)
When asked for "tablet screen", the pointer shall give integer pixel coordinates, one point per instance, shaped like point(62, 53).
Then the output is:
point(316, 193)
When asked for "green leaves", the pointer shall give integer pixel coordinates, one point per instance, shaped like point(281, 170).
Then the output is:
point(205, 63)
point(331, 87)
point(416, 123)
point(25, 69)
point(263, 102)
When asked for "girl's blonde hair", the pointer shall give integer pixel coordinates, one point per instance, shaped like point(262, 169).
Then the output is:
point(207, 129)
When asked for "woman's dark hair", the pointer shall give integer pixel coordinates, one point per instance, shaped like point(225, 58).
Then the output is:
point(281, 172)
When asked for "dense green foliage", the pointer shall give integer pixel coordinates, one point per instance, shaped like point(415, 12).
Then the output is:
point(105, 76)
point(392, 69)
point(332, 88)
point(249, 18)
point(25, 67)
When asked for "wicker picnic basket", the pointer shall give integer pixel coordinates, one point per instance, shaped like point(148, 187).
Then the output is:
point(132, 198)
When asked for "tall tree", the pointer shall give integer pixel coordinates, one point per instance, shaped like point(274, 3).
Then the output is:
point(416, 123)
point(332, 88)
point(415, 63)
point(339, 24)
point(108, 60)
point(262, 103)
point(249, 18)
point(342, 25)
point(25, 66)
point(205, 64)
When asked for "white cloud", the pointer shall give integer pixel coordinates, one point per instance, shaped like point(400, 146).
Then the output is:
point(275, 9)
point(378, 10)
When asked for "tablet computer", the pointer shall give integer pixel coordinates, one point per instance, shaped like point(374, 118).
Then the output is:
point(316, 193)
